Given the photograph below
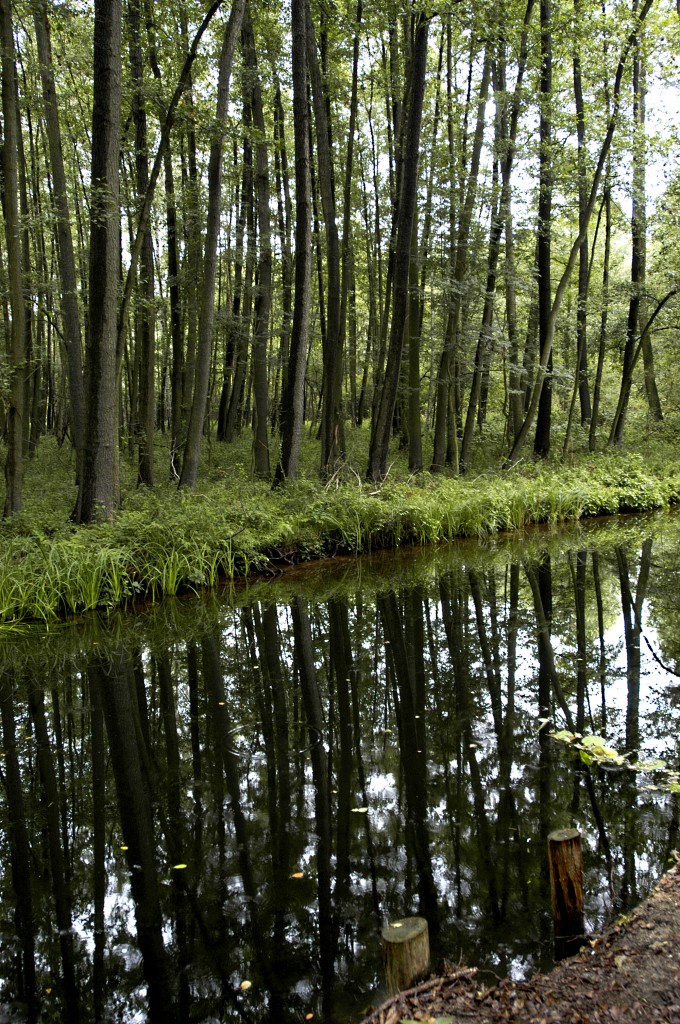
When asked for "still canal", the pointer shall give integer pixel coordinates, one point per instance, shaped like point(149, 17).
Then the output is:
point(210, 807)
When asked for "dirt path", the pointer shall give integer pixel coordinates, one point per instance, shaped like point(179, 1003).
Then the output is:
point(629, 973)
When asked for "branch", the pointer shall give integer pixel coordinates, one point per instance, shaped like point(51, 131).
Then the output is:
point(145, 211)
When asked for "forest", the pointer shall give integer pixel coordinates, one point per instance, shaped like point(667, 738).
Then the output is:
point(449, 233)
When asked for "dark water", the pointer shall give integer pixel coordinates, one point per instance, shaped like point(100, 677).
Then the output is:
point(245, 788)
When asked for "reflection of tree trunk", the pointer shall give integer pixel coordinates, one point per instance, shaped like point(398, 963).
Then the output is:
point(175, 821)
point(406, 642)
point(452, 610)
point(270, 652)
point(602, 663)
point(631, 609)
point(315, 727)
point(361, 778)
point(20, 853)
point(114, 680)
point(579, 583)
point(549, 680)
point(60, 888)
point(490, 669)
point(196, 755)
point(274, 717)
point(264, 954)
point(98, 842)
point(63, 808)
point(343, 667)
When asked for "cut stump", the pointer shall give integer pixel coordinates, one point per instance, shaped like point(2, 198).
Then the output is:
point(406, 953)
point(566, 883)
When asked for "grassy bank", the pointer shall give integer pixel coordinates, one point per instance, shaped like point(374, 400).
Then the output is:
point(162, 542)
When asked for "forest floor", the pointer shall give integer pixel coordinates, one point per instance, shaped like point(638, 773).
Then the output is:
point(629, 973)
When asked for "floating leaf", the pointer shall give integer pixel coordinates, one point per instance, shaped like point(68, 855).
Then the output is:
point(245, 985)
point(309, 1016)
point(124, 847)
point(359, 810)
point(564, 736)
point(298, 874)
point(178, 867)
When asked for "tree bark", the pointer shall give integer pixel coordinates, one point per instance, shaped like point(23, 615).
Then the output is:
point(192, 454)
point(380, 437)
point(264, 267)
point(292, 397)
point(14, 464)
point(98, 493)
point(65, 254)
point(146, 314)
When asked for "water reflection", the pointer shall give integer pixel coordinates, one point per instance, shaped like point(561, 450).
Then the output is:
point(247, 793)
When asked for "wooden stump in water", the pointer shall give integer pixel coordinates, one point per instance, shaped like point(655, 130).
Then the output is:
point(566, 883)
point(406, 953)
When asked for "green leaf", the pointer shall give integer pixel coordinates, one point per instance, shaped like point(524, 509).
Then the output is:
point(564, 736)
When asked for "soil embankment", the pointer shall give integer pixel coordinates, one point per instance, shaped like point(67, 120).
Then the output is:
point(629, 974)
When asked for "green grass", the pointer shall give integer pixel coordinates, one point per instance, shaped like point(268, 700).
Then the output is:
point(164, 542)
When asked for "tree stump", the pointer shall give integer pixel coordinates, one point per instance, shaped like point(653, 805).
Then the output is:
point(406, 953)
point(566, 883)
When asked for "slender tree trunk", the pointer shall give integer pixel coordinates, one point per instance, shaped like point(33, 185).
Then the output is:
point(581, 368)
point(544, 360)
point(544, 229)
point(192, 453)
point(264, 275)
point(445, 427)
point(380, 438)
point(638, 267)
point(98, 493)
point(332, 355)
point(67, 267)
point(146, 314)
point(292, 398)
point(602, 341)
point(14, 464)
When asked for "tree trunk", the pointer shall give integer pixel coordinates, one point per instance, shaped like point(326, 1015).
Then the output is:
point(292, 397)
point(14, 464)
point(544, 229)
point(380, 438)
point(445, 427)
point(264, 275)
point(192, 454)
point(70, 312)
point(638, 267)
point(98, 493)
point(146, 314)
point(332, 356)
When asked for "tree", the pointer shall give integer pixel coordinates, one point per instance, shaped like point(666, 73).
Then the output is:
point(380, 435)
point(98, 491)
point(14, 464)
point(192, 452)
point(292, 394)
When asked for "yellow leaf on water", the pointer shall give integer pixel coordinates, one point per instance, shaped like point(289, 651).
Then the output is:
point(178, 867)
point(124, 847)
point(245, 985)
point(298, 874)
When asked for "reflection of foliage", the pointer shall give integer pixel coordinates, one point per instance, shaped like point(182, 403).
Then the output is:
point(233, 795)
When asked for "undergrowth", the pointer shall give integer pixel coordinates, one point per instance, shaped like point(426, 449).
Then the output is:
point(163, 542)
